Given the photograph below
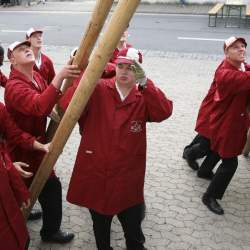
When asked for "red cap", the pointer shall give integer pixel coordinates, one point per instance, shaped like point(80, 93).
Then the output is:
point(129, 56)
point(15, 45)
point(31, 31)
point(231, 40)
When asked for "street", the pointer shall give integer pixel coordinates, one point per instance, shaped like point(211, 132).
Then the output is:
point(161, 32)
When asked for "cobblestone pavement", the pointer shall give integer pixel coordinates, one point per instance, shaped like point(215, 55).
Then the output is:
point(176, 218)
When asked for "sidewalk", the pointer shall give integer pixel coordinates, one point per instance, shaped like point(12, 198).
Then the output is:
point(88, 6)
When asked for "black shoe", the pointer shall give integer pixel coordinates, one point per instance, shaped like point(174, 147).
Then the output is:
point(212, 204)
point(59, 237)
point(35, 215)
point(209, 176)
point(184, 155)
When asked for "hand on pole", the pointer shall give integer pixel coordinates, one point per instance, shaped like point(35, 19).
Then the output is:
point(140, 74)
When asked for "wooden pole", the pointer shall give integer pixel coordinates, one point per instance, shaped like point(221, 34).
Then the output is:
point(118, 23)
point(87, 44)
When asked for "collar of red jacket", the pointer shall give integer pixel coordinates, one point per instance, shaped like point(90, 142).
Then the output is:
point(111, 84)
point(16, 74)
point(228, 65)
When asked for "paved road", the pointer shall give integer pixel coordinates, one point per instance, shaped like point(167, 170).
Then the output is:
point(148, 30)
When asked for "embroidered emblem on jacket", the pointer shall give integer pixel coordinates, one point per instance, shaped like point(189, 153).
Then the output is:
point(136, 126)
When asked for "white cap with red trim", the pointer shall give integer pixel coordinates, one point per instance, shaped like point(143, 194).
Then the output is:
point(31, 31)
point(14, 45)
point(129, 56)
point(231, 40)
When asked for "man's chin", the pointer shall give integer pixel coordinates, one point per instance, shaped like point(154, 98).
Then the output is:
point(31, 61)
point(39, 46)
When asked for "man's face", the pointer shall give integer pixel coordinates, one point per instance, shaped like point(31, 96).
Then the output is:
point(36, 40)
point(125, 74)
point(22, 55)
point(236, 52)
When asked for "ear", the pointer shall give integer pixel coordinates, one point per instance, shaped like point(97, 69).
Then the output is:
point(12, 60)
point(226, 53)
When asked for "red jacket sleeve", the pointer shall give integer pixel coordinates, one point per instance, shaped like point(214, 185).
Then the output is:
point(13, 135)
point(66, 98)
point(159, 107)
point(28, 101)
point(230, 82)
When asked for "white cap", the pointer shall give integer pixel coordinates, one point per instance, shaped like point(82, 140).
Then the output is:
point(31, 31)
point(129, 55)
point(15, 45)
point(231, 40)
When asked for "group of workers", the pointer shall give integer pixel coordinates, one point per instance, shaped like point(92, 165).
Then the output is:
point(109, 171)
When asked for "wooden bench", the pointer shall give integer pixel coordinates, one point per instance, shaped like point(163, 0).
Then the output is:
point(247, 13)
point(214, 13)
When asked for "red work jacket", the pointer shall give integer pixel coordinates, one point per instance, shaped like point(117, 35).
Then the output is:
point(46, 69)
point(229, 118)
point(109, 171)
point(109, 70)
point(13, 231)
point(202, 122)
point(29, 106)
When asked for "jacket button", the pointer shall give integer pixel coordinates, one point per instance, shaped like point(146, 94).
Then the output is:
point(89, 152)
point(242, 114)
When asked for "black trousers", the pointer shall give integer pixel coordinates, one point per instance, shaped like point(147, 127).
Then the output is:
point(130, 220)
point(209, 163)
point(5, 1)
point(51, 203)
point(198, 148)
point(223, 175)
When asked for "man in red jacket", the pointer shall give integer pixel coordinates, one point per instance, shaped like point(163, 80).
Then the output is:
point(109, 172)
point(30, 100)
point(44, 65)
point(228, 120)
point(13, 192)
point(200, 146)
